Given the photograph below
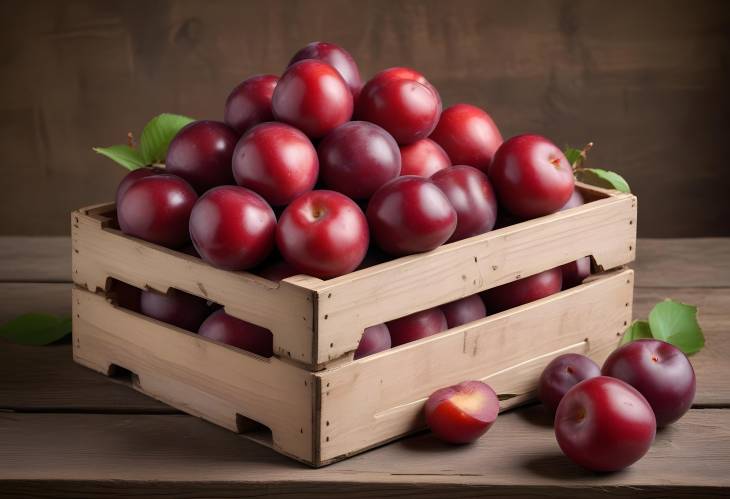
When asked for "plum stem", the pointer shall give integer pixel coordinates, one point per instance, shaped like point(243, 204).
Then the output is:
point(130, 139)
point(583, 156)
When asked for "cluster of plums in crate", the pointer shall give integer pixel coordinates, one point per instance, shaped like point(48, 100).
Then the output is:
point(605, 418)
point(316, 173)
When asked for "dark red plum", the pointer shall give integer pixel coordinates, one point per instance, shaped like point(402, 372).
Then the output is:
point(464, 311)
point(335, 56)
point(563, 373)
point(531, 176)
point(407, 109)
point(525, 290)
point(131, 177)
point(313, 97)
point(660, 371)
point(575, 272)
point(323, 234)
point(357, 158)
point(250, 103)
point(232, 228)
point(473, 198)
point(178, 308)
point(157, 209)
point(276, 161)
point(604, 424)
point(227, 329)
point(201, 154)
point(462, 413)
point(410, 215)
point(468, 135)
point(374, 339)
point(423, 158)
point(416, 326)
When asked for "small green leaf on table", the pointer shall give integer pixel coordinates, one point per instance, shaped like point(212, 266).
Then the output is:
point(129, 158)
point(636, 331)
point(157, 135)
point(602, 178)
point(36, 329)
point(676, 323)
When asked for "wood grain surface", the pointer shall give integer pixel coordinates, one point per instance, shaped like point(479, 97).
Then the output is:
point(647, 81)
point(177, 456)
point(68, 432)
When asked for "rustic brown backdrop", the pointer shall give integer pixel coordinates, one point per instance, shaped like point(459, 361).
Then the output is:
point(647, 81)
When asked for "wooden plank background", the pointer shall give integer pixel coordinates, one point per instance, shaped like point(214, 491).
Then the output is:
point(647, 81)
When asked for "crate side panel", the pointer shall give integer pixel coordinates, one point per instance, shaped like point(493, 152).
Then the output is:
point(605, 229)
point(100, 254)
point(198, 376)
point(377, 398)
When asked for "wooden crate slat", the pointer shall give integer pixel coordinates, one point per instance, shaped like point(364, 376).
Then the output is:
point(507, 350)
point(286, 308)
point(196, 375)
point(605, 229)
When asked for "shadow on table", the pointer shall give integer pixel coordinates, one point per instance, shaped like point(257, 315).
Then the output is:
point(537, 415)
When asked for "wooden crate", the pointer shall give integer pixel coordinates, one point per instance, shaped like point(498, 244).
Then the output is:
point(317, 322)
point(316, 403)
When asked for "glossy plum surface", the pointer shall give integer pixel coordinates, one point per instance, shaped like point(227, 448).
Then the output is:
point(250, 103)
point(157, 209)
point(176, 307)
point(416, 326)
point(374, 339)
point(313, 97)
point(423, 158)
point(531, 176)
point(201, 154)
point(277, 161)
point(131, 177)
point(604, 424)
point(410, 215)
point(323, 234)
point(525, 290)
point(407, 109)
point(473, 198)
point(399, 73)
point(232, 228)
point(661, 372)
point(464, 311)
point(575, 200)
point(574, 272)
point(357, 158)
point(563, 373)
point(227, 329)
point(335, 56)
point(468, 135)
point(462, 413)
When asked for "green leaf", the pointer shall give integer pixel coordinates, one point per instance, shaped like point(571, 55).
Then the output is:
point(157, 135)
point(36, 329)
point(124, 155)
point(602, 178)
point(636, 331)
point(573, 155)
point(676, 323)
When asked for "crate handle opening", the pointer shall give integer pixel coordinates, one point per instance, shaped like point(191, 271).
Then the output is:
point(253, 429)
point(122, 375)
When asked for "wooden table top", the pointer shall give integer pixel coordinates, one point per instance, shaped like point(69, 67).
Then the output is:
point(66, 431)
